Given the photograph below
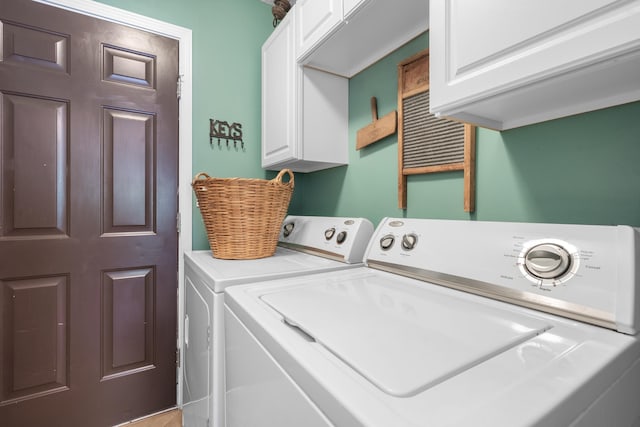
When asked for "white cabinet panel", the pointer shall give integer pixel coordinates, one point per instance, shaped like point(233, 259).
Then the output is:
point(501, 64)
point(372, 29)
point(315, 19)
point(351, 6)
point(476, 42)
point(325, 117)
point(279, 82)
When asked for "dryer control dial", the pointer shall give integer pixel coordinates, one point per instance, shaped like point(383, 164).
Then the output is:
point(288, 228)
point(409, 241)
point(328, 233)
point(547, 261)
point(386, 242)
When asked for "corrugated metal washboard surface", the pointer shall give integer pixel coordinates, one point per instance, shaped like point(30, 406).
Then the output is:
point(428, 140)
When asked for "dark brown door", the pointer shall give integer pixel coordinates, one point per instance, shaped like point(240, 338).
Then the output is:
point(88, 242)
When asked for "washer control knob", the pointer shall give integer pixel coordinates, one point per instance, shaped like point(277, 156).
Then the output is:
point(328, 233)
point(386, 242)
point(341, 237)
point(409, 241)
point(547, 261)
point(288, 228)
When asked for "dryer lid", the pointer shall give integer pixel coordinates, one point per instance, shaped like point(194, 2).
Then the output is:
point(403, 339)
point(221, 273)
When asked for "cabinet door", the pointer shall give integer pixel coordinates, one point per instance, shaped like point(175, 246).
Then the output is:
point(316, 19)
point(479, 49)
point(351, 6)
point(279, 87)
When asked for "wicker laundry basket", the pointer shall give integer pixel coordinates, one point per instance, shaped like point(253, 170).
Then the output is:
point(243, 216)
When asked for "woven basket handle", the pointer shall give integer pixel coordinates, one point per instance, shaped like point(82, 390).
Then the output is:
point(199, 176)
point(278, 178)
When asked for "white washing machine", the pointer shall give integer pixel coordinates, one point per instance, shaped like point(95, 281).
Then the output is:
point(306, 245)
point(451, 323)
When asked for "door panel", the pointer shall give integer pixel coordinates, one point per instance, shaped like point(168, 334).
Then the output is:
point(35, 47)
point(31, 373)
point(34, 166)
point(88, 242)
point(128, 321)
point(133, 68)
point(129, 175)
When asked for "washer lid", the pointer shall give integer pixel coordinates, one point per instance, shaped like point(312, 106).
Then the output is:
point(403, 339)
point(220, 273)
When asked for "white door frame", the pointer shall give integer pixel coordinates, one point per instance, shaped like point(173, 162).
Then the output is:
point(183, 36)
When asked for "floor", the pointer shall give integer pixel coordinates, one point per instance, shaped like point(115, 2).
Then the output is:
point(172, 418)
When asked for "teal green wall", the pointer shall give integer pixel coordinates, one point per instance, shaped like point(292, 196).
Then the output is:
point(579, 169)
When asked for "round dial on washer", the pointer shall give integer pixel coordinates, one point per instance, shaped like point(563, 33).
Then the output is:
point(547, 261)
point(341, 237)
point(409, 241)
point(387, 241)
point(328, 233)
point(288, 228)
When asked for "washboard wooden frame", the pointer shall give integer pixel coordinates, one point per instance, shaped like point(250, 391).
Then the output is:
point(428, 144)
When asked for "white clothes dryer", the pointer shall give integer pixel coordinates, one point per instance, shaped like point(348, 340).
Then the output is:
point(307, 244)
point(451, 323)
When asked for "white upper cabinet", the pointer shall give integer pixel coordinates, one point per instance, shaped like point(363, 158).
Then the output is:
point(504, 63)
point(304, 111)
point(306, 65)
point(368, 30)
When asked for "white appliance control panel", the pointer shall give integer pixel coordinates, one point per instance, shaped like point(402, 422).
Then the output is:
point(344, 239)
point(586, 272)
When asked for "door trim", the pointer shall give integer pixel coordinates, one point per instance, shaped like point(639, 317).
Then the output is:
point(185, 173)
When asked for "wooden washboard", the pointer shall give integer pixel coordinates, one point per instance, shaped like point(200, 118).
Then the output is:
point(428, 144)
